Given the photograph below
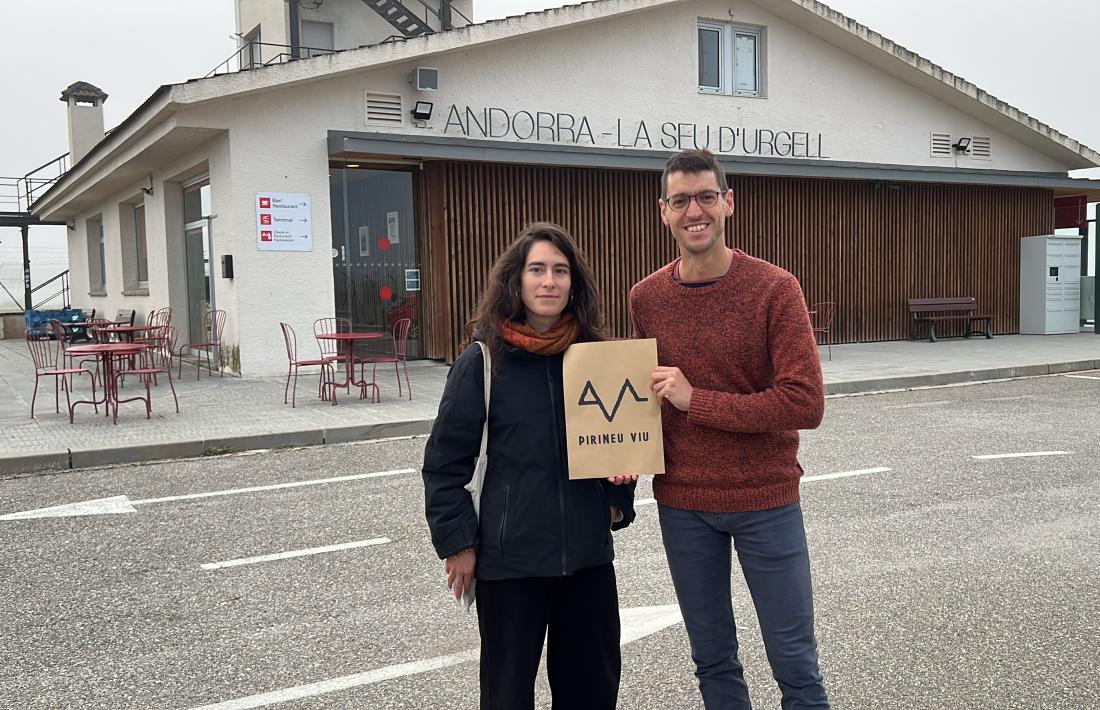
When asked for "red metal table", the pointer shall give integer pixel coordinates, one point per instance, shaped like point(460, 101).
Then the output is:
point(127, 331)
point(348, 341)
point(106, 353)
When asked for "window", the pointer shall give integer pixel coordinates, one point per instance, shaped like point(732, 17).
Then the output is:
point(730, 59)
point(140, 252)
point(251, 54)
point(97, 257)
point(317, 38)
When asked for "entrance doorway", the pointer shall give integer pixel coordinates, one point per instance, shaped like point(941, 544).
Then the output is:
point(375, 260)
point(196, 247)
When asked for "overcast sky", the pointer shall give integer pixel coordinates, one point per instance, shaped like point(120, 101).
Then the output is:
point(1039, 57)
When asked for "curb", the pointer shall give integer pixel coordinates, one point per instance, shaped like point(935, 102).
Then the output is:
point(938, 379)
point(170, 450)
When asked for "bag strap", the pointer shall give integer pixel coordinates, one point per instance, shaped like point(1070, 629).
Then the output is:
point(487, 370)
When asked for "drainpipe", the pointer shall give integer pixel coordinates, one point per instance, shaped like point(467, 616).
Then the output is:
point(295, 30)
point(445, 15)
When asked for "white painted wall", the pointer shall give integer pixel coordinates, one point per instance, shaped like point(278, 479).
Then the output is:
point(635, 67)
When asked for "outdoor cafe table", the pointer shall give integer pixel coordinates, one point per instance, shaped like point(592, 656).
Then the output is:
point(348, 340)
point(126, 331)
point(106, 353)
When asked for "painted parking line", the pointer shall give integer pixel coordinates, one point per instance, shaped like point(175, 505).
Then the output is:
point(845, 474)
point(1021, 455)
point(1082, 377)
point(295, 553)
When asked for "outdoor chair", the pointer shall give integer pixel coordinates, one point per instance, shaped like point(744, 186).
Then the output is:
point(333, 349)
point(156, 360)
point(398, 356)
point(821, 319)
point(327, 379)
point(213, 323)
point(46, 352)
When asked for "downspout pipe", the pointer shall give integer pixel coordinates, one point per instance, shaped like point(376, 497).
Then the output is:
point(295, 30)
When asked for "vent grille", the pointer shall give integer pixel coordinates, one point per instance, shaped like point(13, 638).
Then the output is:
point(941, 145)
point(384, 109)
point(981, 148)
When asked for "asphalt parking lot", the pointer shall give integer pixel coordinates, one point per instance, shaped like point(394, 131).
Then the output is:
point(954, 538)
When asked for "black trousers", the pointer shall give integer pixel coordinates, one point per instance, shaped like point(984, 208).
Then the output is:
point(579, 617)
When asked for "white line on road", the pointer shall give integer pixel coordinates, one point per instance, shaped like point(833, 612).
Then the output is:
point(1082, 377)
point(116, 505)
point(295, 553)
point(272, 487)
point(644, 501)
point(916, 405)
point(637, 623)
point(1021, 455)
point(845, 474)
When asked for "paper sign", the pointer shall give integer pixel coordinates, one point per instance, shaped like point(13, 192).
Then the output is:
point(612, 420)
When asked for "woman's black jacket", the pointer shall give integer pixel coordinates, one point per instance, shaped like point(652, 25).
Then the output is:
point(535, 522)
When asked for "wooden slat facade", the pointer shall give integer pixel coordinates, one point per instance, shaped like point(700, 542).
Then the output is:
point(866, 246)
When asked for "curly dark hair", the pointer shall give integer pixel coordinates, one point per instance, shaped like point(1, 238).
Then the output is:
point(502, 298)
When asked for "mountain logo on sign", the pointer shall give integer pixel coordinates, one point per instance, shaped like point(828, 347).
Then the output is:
point(596, 400)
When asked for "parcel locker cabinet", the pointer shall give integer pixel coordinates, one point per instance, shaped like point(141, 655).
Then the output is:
point(1050, 285)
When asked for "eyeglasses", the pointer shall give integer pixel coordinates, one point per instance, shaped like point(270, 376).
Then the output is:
point(704, 198)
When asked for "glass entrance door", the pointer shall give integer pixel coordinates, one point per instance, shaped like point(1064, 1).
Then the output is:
point(196, 237)
point(375, 263)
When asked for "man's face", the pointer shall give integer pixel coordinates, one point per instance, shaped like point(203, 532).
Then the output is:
point(697, 230)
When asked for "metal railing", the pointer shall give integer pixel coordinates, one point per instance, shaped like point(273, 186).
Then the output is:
point(17, 194)
point(61, 289)
point(251, 56)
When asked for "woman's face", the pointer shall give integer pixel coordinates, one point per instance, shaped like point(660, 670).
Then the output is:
point(546, 284)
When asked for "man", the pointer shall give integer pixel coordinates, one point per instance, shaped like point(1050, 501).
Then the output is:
point(739, 375)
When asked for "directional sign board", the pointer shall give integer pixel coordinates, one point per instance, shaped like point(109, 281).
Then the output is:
point(283, 222)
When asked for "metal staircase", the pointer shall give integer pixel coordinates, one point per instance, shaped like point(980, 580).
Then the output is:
point(400, 17)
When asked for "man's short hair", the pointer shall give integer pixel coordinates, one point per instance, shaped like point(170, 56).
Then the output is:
point(691, 162)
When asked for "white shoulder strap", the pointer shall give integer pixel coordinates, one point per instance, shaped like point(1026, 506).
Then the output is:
point(487, 369)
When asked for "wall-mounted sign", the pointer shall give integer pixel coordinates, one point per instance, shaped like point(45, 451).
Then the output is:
point(283, 222)
point(563, 127)
point(393, 228)
point(412, 279)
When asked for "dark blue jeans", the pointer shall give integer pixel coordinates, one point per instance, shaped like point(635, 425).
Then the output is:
point(771, 548)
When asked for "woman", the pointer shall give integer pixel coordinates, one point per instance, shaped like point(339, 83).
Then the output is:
point(542, 551)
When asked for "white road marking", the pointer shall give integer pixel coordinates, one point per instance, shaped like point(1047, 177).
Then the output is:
point(1024, 454)
point(636, 624)
point(645, 501)
point(122, 504)
point(295, 553)
point(845, 474)
point(917, 405)
point(1082, 377)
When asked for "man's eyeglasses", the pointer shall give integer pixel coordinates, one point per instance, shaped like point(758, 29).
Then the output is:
point(704, 198)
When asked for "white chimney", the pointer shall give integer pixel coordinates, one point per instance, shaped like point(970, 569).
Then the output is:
point(85, 109)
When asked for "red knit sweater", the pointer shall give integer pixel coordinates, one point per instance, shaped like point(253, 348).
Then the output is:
point(746, 346)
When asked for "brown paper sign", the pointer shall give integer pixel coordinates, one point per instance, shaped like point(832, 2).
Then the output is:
point(612, 419)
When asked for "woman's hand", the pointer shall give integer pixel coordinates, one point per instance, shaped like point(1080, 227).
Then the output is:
point(460, 570)
point(621, 480)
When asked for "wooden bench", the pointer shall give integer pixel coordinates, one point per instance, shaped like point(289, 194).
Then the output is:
point(943, 310)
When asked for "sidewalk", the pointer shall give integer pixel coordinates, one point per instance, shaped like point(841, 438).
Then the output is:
point(222, 414)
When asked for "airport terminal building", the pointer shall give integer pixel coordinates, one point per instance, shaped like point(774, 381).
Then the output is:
point(311, 176)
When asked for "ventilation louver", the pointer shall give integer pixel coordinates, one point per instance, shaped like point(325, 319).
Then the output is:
point(941, 145)
point(384, 109)
point(981, 148)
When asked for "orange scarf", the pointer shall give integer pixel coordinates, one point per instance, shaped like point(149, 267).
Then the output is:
point(554, 341)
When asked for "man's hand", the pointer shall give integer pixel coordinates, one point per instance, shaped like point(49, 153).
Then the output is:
point(460, 571)
point(621, 480)
point(669, 383)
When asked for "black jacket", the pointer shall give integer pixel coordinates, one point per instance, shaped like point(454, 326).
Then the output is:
point(535, 522)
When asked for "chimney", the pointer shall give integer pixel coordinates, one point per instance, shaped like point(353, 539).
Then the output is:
point(85, 108)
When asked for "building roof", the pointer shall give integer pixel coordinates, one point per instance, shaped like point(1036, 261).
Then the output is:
point(810, 15)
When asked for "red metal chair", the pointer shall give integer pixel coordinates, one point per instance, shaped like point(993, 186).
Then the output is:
point(156, 360)
point(45, 353)
point(821, 318)
point(332, 349)
point(212, 325)
point(399, 358)
point(327, 378)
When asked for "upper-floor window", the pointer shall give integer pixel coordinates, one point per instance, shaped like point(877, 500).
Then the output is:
point(730, 59)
